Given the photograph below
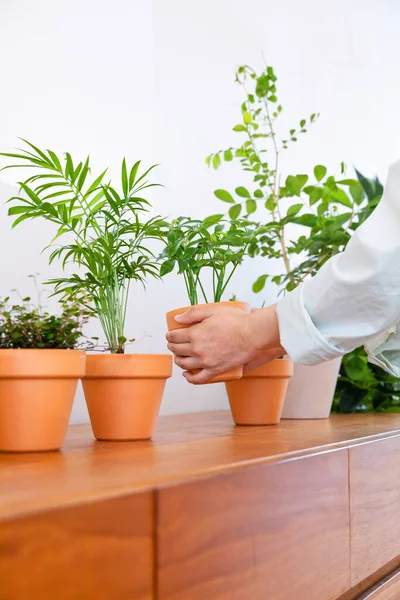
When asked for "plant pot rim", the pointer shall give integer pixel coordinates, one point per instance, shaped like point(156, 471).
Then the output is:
point(41, 363)
point(128, 366)
point(280, 367)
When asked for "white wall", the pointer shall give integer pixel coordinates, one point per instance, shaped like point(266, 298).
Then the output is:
point(155, 80)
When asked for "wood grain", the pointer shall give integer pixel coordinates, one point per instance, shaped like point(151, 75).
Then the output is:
point(280, 531)
point(101, 551)
point(386, 590)
point(185, 447)
point(374, 505)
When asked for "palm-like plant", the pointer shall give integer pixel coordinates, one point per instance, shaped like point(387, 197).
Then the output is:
point(106, 236)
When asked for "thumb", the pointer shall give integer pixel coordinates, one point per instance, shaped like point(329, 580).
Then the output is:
point(194, 315)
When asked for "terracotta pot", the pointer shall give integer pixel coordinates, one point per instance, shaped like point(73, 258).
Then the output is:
point(257, 399)
point(172, 324)
point(310, 392)
point(123, 394)
point(37, 389)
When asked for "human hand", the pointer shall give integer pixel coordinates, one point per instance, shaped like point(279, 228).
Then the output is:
point(221, 338)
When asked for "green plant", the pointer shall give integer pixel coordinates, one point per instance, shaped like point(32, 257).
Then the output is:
point(24, 325)
point(327, 207)
point(364, 387)
point(214, 246)
point(104, 234)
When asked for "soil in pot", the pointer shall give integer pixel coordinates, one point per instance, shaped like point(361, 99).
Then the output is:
point(123, 394)
point(231, 375)
point(257, 398)
point(37, 389)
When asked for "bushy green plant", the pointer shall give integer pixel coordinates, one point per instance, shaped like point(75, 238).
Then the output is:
point(326, 206)
point(213, 246)
point(102, 227)
point(24, 325)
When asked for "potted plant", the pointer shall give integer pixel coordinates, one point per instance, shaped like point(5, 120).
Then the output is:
point(323, 208)
point(40, 365)
point(108, 243)
point(201, 250)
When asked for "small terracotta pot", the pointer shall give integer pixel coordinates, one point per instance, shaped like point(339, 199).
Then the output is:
point(257, 399)
point(231, 375)
point(123, 394)
point(37, 389)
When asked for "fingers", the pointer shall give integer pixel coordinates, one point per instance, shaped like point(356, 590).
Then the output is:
point(194, 315)
point(187, 363)
point(180, 349)
point(201, 377)
point(178, 336)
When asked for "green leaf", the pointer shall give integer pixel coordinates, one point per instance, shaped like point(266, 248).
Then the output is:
point(319, 172)
point(167, 267)
point(216, 161)
point(258, 194)
point(340, 196)
point(228, 156)
point(357, 193)
point(293, 210)
point(350, 182)
point(18, 210)
point(259, 284)
point(124, 178)
point(247, 118)
point(302, 180)
point(239, 128)
point(133, 173)
point(273, 98)
point(316, 195)
point(242, 192)
point(308, 220)
point(224, 196)
point(235, 211)
point(251, 206)
point(213, 219)
point(302, 122)
point(293, 185)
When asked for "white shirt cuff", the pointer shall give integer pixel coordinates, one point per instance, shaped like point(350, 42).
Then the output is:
point(303, 342)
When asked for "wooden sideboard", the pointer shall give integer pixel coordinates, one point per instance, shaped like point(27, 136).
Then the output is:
point(307, 510)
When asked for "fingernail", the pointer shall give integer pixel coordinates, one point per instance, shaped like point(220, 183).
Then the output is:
point(178, 318)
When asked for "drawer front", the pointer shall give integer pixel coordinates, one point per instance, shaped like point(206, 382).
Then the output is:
point(98, 551)
point(278, 531)
point(387, 590)
point(374, 505)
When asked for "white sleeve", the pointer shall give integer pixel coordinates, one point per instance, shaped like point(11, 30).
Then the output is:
point(354, 299)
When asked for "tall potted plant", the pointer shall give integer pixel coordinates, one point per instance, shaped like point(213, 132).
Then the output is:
point(322, 207)
point(107, 241)
point(40, 364)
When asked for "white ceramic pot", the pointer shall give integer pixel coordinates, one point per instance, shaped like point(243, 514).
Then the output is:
point(310, 391)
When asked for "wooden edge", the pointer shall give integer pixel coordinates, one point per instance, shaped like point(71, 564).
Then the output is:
point(116, 492)
point(364, 589)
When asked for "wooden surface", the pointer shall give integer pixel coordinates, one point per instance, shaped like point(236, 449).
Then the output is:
point(207, 510)
point(102, 551)
point(278, 531)
point(387, 590)
point(185, 447)
point(374, 505)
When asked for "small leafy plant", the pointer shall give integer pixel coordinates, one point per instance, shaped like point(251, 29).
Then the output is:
point(324, 205)
point(213, 246)
point(102, 227)
point(24, 325)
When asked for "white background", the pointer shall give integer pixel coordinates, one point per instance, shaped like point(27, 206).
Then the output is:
point(154, 80)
